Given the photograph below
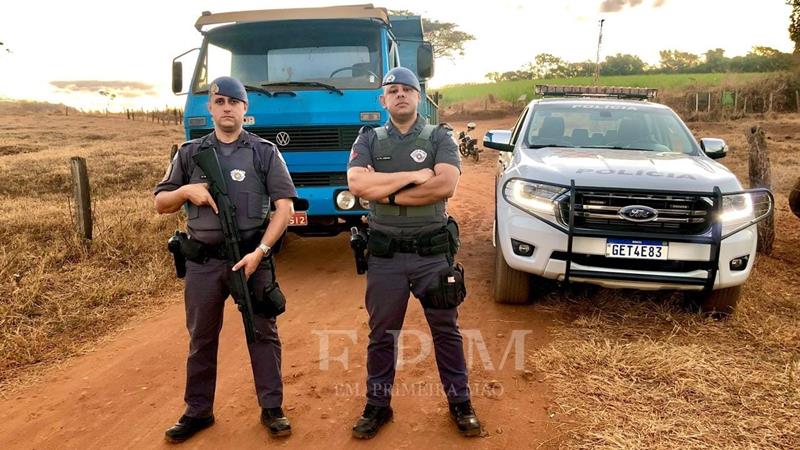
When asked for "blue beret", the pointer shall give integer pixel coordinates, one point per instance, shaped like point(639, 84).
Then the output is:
point(401, 75)
point(229, 87)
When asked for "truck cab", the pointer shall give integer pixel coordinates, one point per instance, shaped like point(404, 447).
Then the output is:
point(313, 77)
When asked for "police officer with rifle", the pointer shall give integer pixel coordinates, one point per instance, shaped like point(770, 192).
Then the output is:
point(226, 181)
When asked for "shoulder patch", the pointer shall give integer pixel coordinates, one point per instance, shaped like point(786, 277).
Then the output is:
point(365, 129)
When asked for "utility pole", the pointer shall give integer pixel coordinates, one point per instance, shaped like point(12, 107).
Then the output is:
point(597, 60)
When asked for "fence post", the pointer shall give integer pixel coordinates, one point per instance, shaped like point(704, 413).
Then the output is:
point(708, 107)
point(83, 203)
point(770, 102)
point(761, 177)
point(797, 99)
point(696, 101)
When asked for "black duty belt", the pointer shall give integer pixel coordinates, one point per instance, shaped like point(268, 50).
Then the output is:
point(219, 251)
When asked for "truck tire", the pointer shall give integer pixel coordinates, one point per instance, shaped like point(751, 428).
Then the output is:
point(721, 302)
point(510, 285)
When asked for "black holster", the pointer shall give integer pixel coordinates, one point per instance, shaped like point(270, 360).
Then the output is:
point(358, 242)
point(270, 302)
point(448, 291)
point(174, 246)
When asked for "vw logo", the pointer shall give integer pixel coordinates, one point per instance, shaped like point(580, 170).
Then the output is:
point(282, 138)
point(638, 213)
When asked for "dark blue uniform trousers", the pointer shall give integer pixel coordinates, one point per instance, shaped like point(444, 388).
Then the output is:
point(389, 282)
point(204, 296)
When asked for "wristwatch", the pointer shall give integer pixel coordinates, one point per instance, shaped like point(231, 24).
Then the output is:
point(264, 248)
point(391, 199)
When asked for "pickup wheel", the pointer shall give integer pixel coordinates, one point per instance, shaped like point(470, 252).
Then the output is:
point(721, 302)
point(510, 285)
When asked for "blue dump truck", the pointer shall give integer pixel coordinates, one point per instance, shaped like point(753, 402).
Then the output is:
point(313, 77)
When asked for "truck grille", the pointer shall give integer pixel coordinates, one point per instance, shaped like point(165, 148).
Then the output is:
point(677, 214)
point(303, 179)
point(302, 138)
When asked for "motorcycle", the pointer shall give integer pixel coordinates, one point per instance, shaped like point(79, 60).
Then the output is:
point(467, 146)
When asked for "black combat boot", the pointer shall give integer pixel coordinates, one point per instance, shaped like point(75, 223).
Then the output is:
point(465, 418)
point(277, 423)
point(371, 420)
point(187, 427)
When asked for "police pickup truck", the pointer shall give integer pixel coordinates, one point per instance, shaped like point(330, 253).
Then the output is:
point(601, 185)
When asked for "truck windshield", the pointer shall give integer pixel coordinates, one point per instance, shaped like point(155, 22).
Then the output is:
point(600, 125)
point(344, 54)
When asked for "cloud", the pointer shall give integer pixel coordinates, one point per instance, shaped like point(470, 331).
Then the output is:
point(126, 89)
point(617, 5)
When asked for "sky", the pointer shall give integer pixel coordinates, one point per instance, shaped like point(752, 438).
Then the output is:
point(53, 49)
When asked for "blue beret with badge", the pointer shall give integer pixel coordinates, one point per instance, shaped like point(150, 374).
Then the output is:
point(401, 75)
point(229, 87)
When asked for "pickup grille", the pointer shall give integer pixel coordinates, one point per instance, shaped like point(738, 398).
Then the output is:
point(303, 179)
point(677, 214)
point(303, 138)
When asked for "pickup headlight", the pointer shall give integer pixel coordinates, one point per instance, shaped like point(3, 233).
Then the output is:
point(737, 210)
point(536, 198)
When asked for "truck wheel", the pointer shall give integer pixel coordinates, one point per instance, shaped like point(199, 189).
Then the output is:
point(721, 302)
point(510, 285)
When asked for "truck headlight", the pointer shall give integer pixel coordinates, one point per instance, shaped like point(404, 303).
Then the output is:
point(345, 200)
point(537, 198)
point(737, 210)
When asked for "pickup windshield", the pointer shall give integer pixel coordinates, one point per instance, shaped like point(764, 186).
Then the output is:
point(612, 125)
point(294, 55)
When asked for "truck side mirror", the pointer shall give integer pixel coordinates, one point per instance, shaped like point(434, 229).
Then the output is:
point(714, 148)
point(498, 140)
point(425, 60)
point(177, 77)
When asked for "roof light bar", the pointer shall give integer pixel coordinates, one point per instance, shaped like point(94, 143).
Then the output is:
point(550, 90)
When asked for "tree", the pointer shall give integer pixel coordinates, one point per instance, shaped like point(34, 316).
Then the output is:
point(446, 38)
point(677, 61)
point(620, 64)
point(715, 61)
point(794, 24)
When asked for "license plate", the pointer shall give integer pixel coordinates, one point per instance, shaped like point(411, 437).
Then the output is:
point(299, 219)
point(623, 248)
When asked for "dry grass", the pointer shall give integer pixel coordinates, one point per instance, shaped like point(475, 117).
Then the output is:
point(637, 370)
point(59, 294)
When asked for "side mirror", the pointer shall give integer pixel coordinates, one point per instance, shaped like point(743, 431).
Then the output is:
point(714, 148)
point(177, 77)
point(425, 60)
point(498, 140)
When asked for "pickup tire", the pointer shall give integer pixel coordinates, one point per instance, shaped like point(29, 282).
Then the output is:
point(721, 302)
point(510, 285)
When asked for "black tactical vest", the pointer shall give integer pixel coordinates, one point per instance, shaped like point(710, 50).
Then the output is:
point(246, 191)
point(408, 154)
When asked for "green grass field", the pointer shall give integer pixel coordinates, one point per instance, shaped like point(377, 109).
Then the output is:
point(512, 90)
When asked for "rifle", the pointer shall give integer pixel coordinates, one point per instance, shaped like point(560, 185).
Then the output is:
point(209, 163)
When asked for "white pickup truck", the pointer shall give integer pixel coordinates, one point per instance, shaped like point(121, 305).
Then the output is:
point(600, 185)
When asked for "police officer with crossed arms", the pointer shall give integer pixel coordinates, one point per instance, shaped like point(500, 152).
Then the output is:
point(407, 169)
point(255, 173)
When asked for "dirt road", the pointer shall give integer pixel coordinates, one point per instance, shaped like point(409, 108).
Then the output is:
point(125, 393)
